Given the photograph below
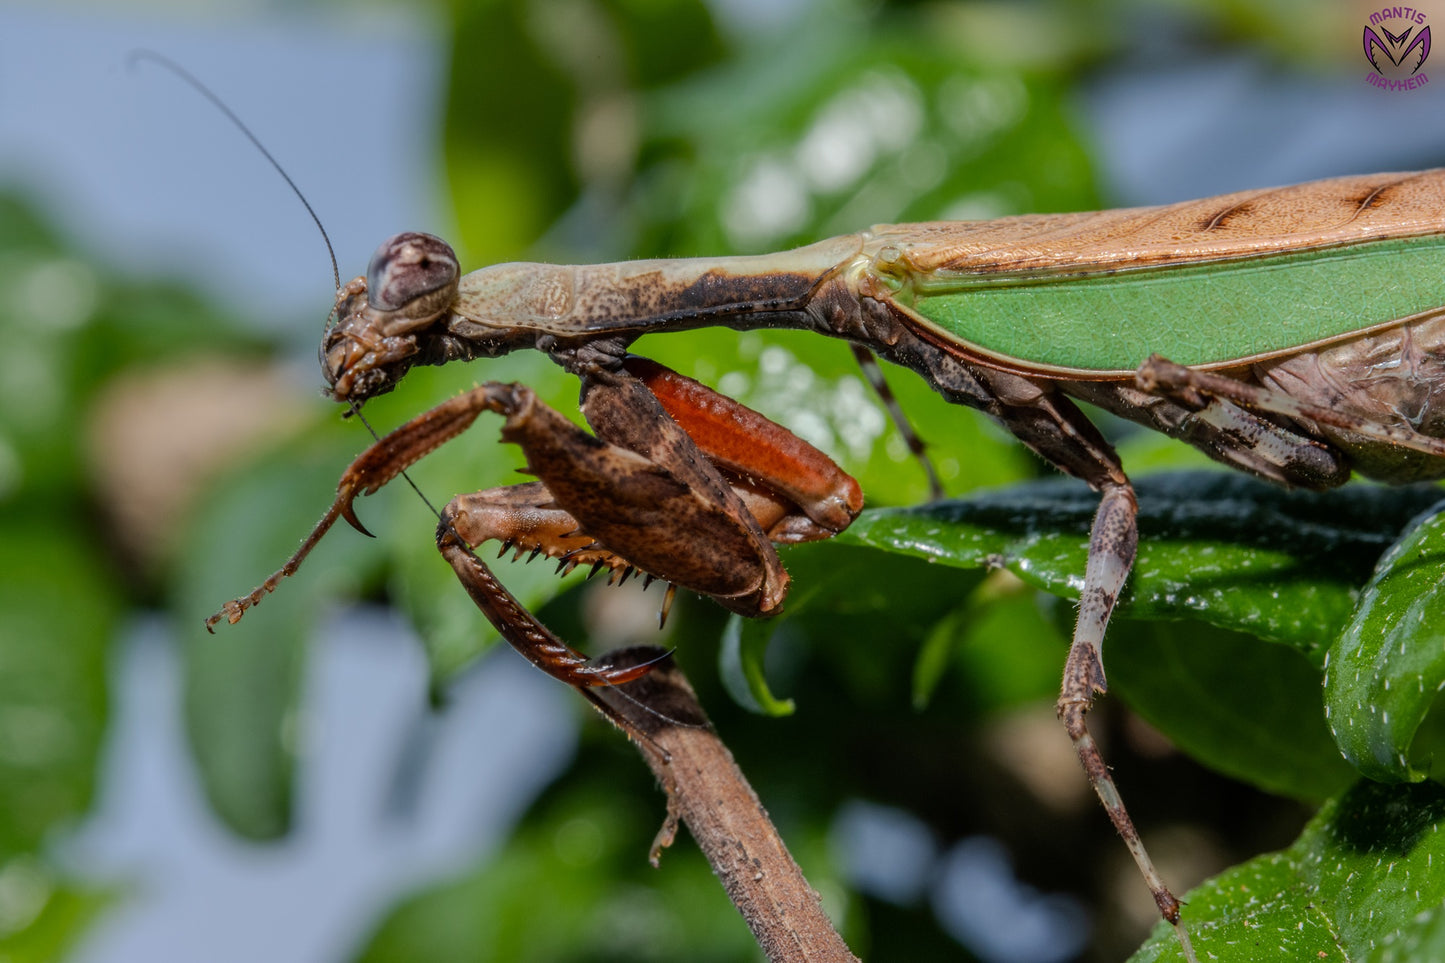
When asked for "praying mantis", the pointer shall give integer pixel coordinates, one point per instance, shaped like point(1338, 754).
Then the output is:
point(1235, 323)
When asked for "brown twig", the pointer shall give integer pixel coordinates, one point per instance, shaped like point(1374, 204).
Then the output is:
point(707, 791)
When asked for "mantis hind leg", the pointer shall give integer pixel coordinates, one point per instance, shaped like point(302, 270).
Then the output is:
point(1161, 376)
point(1217, 425)
point(1050, 424)
point(1113, 543)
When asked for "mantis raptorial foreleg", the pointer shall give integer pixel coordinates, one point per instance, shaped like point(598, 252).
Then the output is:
point(718, 483)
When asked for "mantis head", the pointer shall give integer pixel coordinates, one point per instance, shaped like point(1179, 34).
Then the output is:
point(389, 317)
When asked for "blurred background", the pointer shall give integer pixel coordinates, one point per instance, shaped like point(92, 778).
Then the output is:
point(353, 772)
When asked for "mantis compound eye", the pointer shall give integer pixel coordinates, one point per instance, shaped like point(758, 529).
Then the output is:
point(412, 276)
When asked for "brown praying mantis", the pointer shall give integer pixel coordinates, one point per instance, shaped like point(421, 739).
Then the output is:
point(1297, 334)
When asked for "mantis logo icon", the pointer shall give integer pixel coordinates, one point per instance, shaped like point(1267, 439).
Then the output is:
point(1397, 58)
point(1419, 48)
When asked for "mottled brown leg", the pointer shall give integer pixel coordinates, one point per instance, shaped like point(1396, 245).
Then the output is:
point(520, 627)
point(1161, 376)
point(372, 469)
point(917, 447)
point(1113, 542)
point(1050, 424)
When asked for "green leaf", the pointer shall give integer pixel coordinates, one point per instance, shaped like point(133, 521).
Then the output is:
point(1359, 883)
point(61, 610)
point(740, 666)
point(243, 683)
point(1236, 552)
point(748, 156)
point(1248, 710)
point(550, 114)
point(44, 917)
point(1386, 668)
point(1245, 557)
point(1000, 640)
point(1422, 938)
point(868, 615)
point(573, 883)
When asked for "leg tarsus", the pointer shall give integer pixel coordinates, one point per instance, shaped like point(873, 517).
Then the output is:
point(234, 609)
point(1072, 713)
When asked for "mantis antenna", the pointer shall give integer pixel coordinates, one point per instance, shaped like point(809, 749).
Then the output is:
point(137, 56)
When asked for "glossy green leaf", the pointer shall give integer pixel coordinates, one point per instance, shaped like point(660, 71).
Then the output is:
point(1233, 551)
point(1387, 667)
point(1248, 710)
point(1360, 883)
point(741, 667)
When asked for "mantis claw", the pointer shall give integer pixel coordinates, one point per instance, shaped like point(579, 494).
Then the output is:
point(231, 612)
point(349, 513)
point(662, 656)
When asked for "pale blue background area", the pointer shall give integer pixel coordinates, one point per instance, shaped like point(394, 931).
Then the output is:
point(143, 171)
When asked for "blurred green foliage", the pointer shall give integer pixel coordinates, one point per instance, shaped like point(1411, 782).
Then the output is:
point(65, 590)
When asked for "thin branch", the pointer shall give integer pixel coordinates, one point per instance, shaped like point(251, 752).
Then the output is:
point(707, 791)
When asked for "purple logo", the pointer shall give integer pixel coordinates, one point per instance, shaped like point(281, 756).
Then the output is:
point(1397, 44)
